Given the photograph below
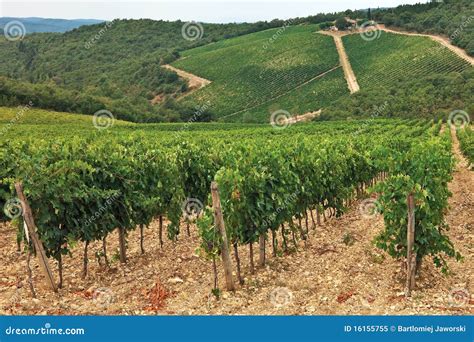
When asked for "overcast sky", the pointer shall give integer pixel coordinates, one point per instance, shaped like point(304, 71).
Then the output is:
point(216, 11)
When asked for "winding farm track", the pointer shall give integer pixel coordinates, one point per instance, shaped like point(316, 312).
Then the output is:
point(440, 39)
point(344, 60)
point(194, 82)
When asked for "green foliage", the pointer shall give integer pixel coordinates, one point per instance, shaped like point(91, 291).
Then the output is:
point(341, 24)
point(115, 65)
point(128, 175)
point(404, 77)
point(466, 141)
point(424, 170)
point(260, 73)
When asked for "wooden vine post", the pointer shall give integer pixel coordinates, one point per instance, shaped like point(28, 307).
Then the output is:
point(31, 226)
point(219, 221)
point(411, 255)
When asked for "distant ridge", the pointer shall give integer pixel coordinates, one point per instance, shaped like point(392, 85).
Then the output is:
point(34, 24)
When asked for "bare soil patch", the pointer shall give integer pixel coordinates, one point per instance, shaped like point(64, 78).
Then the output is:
point(194, 82)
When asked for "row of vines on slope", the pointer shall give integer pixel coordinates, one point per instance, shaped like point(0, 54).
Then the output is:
point(274, 188)
point(466, 141)
point(423, 171)
point(82, 189)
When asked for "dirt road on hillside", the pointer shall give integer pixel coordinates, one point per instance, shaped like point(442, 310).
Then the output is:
point(344, 60)
point(194, 82)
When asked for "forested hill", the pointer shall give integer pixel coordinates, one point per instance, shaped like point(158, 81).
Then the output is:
point(115, 64)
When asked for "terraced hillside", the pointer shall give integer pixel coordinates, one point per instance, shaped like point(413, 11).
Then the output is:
point(293, 69)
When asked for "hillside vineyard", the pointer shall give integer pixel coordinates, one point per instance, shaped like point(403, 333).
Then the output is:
point(266, 181)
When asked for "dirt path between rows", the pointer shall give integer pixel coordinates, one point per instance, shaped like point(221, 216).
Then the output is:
point(344, 60)
point(440, 39)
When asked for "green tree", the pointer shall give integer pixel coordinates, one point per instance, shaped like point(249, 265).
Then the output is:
point(341, 23)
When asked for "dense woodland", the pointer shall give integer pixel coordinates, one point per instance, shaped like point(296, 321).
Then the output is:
point(120, 70)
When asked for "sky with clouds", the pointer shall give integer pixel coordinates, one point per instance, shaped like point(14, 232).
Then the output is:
point(215, 11)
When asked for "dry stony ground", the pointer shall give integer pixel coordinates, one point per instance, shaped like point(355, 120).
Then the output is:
point(326, 277)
